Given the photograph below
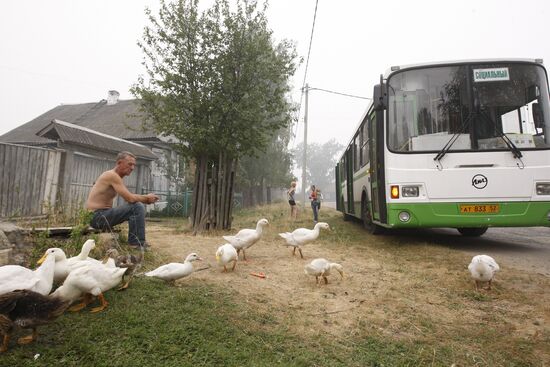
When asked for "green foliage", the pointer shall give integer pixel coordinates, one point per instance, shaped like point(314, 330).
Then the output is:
point(273, 166)
point(78, 235)
point(84, 218)
point(216, 80)
point(321, 161)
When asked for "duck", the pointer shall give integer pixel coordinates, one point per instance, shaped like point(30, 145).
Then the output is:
point(13, 277)
point(322, 268)
point(301, 236)
point(88, 246)
point(63, 266)
point(131, 262)
point(89, 280)
point(483, 269)
point(27, 309)
point(174, 271)
point(247, 237)
point(227, 253)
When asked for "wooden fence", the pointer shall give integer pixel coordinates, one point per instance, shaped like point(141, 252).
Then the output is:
point(28, 180)
point(37, 181)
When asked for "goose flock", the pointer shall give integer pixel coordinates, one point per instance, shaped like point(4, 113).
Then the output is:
point(26, 299)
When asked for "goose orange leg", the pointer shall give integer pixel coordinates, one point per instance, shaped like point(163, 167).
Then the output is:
point(5, 343)
point(103, 305)
point(85, 302)
point(29, 338)
point(125, 285)
point(234, 264)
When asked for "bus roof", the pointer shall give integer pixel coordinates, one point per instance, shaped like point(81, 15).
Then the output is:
point(396, 68)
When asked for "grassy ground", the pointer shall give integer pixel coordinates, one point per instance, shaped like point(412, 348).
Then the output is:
point(407, 303)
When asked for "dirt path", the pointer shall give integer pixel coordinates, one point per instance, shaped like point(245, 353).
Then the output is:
point(392, 286)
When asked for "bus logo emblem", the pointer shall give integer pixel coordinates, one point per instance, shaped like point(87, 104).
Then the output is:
point(479, 181)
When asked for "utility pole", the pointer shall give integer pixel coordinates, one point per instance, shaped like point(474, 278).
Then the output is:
point(304, 165)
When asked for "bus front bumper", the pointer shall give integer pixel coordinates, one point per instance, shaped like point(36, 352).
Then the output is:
point(502, 214)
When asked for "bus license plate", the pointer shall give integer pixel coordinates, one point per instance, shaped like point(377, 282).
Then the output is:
point(470, 209)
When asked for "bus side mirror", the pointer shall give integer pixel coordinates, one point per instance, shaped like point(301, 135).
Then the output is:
point(537, 115)
point(379, 97)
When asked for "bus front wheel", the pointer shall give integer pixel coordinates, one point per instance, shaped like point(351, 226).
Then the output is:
point(366, 218)
point(472, 232)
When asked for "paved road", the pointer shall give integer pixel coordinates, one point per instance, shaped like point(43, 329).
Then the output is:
point(521, 248)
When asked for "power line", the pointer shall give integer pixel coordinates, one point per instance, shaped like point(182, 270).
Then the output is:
point(339, 93)
point(307, 65)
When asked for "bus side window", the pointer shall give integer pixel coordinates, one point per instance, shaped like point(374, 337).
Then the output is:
point(356, 162)
point(364, 147)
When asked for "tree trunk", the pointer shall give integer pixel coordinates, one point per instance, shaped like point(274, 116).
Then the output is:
point(200, 211)
point(268, 194)
point(213, 193)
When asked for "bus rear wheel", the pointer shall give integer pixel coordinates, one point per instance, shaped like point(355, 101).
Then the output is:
point(345, 217)
point(366, 218)
point(472, 232)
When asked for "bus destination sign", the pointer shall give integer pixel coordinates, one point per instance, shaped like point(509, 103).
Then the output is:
point(491, 75)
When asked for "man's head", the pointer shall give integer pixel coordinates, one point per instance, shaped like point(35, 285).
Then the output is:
point(125, 163)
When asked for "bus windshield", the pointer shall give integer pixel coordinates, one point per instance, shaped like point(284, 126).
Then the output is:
point(474, 107)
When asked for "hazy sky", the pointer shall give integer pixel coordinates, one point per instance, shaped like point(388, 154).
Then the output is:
point(73, 51)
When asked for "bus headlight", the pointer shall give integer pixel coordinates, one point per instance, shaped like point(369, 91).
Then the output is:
point(542, 188)
point(409, 191)
point(404, 216)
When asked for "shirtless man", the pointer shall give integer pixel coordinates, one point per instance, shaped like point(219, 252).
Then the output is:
point(100, 201)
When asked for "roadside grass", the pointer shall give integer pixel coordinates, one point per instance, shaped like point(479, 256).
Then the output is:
point(420, 309)
point(152, 324)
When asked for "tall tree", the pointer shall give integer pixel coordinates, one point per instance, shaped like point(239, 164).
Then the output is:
point(321, 161)
point(218, 83)
point(270, 169)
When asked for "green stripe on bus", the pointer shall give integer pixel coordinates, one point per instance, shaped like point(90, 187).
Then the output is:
point(511, 214)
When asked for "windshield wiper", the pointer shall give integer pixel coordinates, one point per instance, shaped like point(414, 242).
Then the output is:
point(453, 138)
point(509, 143)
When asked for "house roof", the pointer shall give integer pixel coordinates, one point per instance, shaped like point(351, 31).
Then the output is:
point(74, 134)
point(122, 119)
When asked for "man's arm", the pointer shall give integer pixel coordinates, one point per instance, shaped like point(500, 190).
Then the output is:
point(120, 188)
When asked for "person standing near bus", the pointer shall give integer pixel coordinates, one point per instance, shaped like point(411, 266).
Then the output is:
point(319, 199)
point(291, 201)
point(314, 203)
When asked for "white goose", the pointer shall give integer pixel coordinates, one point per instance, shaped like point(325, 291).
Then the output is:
point(226, 254)
point(301, 236)
point(322, 268)
point(174, 271)
point(64, 266)
point(88, 246)
point(246, 237)
point(90, 279)
point(40, 280)
point(483, 269)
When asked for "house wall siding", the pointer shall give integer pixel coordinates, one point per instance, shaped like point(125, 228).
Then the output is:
point(35, 181)
point(28, 180)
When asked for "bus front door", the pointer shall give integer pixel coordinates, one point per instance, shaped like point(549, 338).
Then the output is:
point(376, 151)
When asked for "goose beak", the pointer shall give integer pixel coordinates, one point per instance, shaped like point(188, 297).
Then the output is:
point(42, 259)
